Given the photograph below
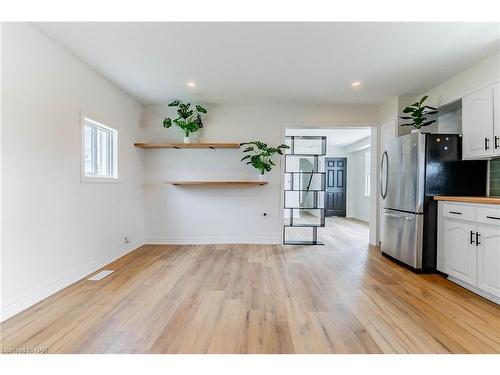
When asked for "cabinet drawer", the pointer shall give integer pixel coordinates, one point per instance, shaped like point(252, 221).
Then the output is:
point(488, 215)
point(459, 212)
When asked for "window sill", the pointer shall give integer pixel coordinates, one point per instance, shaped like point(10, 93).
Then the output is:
point(99, 180)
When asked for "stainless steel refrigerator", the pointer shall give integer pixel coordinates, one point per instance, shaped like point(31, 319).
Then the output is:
point(415, 168)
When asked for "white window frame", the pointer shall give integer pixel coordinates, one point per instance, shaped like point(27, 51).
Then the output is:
point(368, 174)
point(113, 178)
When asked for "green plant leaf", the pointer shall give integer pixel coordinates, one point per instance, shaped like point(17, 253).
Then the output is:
point(175, 103)
point(408, 110)
point(248, 149)
point(201, 109)
point(427, 123)
point(424, 98)
point(245, 157)
point(167, 123)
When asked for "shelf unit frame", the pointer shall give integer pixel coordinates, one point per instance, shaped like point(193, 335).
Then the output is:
point(291, 175)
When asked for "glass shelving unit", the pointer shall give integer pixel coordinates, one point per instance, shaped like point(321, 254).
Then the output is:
point(304, 193)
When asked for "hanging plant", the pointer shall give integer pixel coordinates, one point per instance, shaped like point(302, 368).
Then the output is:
point(189, 120)
point(259, 155)
point(418, 114)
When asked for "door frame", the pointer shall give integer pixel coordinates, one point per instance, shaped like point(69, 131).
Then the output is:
point(345, 181)
point(374, 188)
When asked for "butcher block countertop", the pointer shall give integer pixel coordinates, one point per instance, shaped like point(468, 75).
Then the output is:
point(485, 200)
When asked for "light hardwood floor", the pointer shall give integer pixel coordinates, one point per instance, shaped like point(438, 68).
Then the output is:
point(340, 298)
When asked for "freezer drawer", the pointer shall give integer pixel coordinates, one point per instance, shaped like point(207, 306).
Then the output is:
point(403, 237)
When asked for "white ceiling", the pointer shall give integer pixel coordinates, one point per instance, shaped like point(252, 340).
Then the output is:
point(276, 62)
point(336, 137)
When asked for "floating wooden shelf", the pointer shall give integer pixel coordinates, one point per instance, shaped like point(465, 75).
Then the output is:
point(214, 145)
point(216, 183)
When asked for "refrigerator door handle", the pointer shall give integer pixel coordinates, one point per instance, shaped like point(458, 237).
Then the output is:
point(385, 157)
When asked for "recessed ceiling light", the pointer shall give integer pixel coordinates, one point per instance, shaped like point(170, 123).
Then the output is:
point(191, 84)
point(355, 83)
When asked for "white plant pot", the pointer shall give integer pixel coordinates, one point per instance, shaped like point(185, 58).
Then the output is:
point(416, 130)
point(263, 177)
point(187, 139)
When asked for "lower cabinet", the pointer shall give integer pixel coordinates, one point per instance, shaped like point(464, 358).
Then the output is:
point(469, 246)
point(460, 250)
point(488, 259)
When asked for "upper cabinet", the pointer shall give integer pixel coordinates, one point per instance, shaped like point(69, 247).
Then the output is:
point(481, 123)
point(496, 119)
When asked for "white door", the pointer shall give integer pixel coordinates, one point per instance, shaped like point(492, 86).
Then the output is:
point(496, 120)
point(488, 257)
point(477, 124)
point(460, 253)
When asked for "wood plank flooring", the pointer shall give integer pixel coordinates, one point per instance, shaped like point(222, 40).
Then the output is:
point(340, 298)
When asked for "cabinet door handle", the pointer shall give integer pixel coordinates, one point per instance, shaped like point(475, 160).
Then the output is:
point(472, 237)
point(493, 217)
point(497, 139)
point(455, 213)
point(477, 239)
point(486, 146)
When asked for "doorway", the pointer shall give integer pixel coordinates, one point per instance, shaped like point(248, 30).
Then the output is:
point(335, 193)
point(335, 186)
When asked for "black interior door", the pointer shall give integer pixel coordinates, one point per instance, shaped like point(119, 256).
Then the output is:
point(335, 195)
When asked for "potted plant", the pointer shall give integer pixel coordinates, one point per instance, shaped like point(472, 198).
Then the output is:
point(189, 120)
point(259, 155)
point(418, 114)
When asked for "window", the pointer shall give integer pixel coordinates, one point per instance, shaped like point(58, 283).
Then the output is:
point(99, 152)
point(367, 173)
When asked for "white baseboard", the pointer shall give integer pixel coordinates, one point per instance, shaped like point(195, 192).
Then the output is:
point(49, 289)
point(210, 240)
point(473, 289)
point(360, 218)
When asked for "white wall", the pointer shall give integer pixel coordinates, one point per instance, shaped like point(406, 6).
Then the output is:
point(201, 215)
point(484, 73)
point(55, 229)
point(478, 75)
point(358, 206)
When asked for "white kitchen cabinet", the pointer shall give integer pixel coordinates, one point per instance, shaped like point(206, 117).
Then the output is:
point(496, 119)
point(478, 124)
point(488, 258)
point(469, 246)
point(460, 250)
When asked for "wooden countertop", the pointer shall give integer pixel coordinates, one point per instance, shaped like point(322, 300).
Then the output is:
point(485, 200)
